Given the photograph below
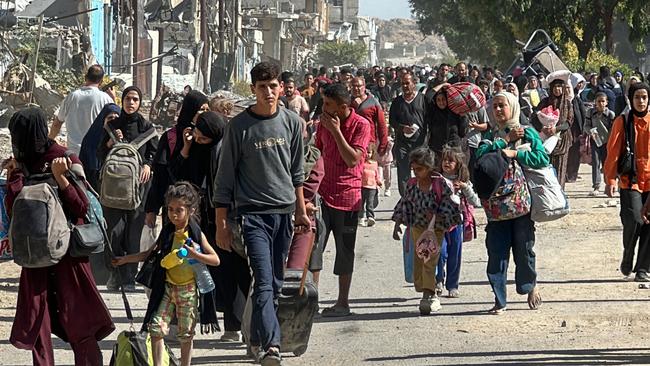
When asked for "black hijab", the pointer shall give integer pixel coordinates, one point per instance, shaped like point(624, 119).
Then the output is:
point(211, 125)
point(197, 164)
point(630, 94)
point(131, 125)
point(29, 135)
point(191, 104)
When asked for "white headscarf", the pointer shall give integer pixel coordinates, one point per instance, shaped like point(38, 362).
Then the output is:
point(515, 110)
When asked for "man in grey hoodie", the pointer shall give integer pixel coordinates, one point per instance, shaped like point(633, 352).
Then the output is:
point(261, 168)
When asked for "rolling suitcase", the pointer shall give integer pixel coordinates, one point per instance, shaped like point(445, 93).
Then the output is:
point(297, 306)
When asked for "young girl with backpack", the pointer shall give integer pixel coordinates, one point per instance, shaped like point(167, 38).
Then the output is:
point(174, 290)
point(455, 170)
point(428, 204)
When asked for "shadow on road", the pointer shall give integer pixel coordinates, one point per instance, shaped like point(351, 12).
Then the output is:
point(620, 356)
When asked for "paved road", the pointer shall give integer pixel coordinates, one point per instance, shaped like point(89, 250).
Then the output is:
point(590, 315)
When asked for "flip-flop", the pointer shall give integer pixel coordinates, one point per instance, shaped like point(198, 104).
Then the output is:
point(534, 299)
point(497, 311)
point(335, 312)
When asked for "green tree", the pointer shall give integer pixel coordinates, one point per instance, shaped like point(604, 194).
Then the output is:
point(334, 53)
point(486, 30)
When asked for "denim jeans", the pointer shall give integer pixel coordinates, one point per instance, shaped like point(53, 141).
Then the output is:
point(267, 238)
point(450, 257)
point(502, 236)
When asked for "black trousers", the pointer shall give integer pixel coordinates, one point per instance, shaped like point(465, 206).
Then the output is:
point(634, 230)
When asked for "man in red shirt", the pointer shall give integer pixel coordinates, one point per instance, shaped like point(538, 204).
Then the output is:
point(342, 137)
point(368, 107)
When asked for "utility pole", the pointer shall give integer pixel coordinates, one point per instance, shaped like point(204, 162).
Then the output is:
point(134, 41)
point(205, 55)
point(222, 26)
point(159, 63)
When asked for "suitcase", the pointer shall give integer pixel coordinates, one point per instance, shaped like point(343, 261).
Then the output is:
point(297, 306)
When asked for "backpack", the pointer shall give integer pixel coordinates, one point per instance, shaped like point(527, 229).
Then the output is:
point(463, 98)
point(133, 348)
point(120, 174)
point(39, 234)
point(469, 222)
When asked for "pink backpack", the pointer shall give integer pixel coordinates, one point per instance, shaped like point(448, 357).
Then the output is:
point(469, 222)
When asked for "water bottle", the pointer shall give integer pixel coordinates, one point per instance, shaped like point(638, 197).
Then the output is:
point(203, 278)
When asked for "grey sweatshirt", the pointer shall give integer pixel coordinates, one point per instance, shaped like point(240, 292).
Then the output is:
point(261, 163)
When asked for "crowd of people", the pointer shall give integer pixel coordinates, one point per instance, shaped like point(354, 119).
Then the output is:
point(248, 195)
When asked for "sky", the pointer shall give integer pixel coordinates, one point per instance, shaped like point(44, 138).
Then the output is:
point(385, 9)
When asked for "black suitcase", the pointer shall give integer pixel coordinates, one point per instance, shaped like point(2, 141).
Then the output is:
point(297, 306)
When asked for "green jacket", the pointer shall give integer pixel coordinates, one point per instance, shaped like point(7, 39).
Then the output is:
point(535, 158)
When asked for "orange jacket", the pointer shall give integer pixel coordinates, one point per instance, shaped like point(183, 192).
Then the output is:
point(615, 146)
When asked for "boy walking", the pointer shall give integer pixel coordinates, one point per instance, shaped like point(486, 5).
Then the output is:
point(342, 137)
point(261, 168)
point(598, 125)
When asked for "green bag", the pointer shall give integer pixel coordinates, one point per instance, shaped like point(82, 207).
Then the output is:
point(134, 348)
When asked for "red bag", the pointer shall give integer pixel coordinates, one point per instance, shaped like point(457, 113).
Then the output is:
point(463, 98)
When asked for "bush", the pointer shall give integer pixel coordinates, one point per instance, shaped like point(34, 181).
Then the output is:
point(595, 60)
point(333, 53)
point(242, 88)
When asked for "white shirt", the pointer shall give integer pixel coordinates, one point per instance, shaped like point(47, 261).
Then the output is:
point(78, 110)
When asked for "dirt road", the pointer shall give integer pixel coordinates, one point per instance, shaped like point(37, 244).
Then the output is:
point(590, 315)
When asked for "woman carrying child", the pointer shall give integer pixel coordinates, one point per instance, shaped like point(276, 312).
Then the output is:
point(174, 290)
point(455, 170)
point(428, 203)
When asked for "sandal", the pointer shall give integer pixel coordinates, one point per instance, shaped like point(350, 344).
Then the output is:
point(497, 310)
point(336, 312)
point(534, 299)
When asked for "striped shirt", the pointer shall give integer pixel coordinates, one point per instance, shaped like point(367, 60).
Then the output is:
point(341, 185)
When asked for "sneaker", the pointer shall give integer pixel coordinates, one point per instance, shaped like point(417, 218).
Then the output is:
point(371, 221)
point(429, 304)
point(130, 288)
point(439, 288)
point(230, 336)
point(271, 357)
point(594, 193)
point(641, 277)
point(363, 222)
point(454, 293)
point(387, 193)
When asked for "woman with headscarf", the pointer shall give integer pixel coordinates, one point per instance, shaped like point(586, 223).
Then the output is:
point(168, 163)
point(514, 231)
point(560, 98)
point(526, 109)
point(633, 181)
point(88, 153)
point(445, 127)
point(60, 299)
point(232, 277)
point(125, 226)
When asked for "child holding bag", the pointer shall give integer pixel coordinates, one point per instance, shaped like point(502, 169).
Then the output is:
point(455, 170)
point(174, 289)
point(428, 208)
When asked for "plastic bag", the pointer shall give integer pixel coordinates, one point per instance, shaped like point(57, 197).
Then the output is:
point(427, 245)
